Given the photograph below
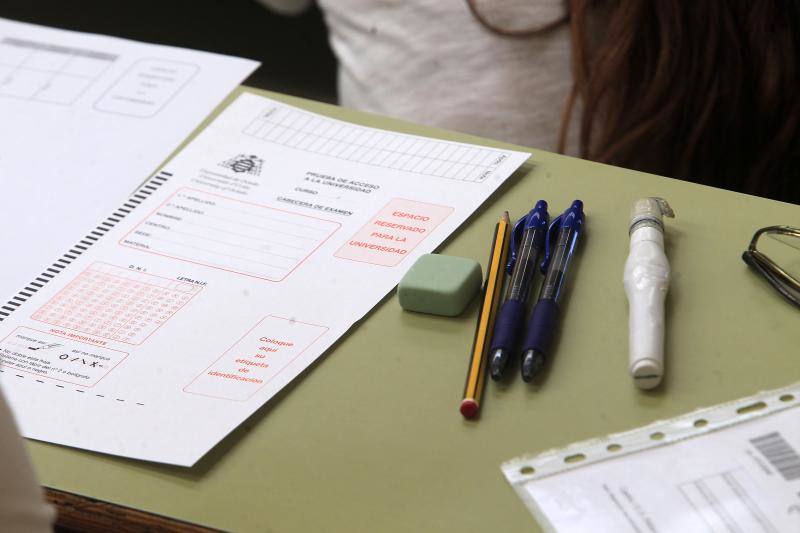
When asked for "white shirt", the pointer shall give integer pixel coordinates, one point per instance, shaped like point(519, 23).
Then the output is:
point(431, 62)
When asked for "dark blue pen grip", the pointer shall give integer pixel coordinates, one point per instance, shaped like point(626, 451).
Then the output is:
point(506, 327)
point(543, 321)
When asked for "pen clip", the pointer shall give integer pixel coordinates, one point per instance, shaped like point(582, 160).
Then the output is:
point(516, 239)
point(555, 225)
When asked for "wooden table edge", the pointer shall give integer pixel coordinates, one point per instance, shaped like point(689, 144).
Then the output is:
point(82, 513)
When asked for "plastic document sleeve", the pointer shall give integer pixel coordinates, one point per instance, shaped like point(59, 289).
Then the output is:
point(734, 467)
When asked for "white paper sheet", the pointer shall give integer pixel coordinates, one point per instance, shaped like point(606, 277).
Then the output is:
point(84, 120)
point(715, 470)
point(237, 266)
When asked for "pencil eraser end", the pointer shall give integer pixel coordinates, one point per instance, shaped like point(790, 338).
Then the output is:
point(469, 408)
point(646, 373)
point(439, 284)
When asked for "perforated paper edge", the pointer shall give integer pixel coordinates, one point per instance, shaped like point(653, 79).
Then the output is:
point(524, 469)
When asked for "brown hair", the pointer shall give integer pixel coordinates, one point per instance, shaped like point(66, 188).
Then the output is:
point(701, 90)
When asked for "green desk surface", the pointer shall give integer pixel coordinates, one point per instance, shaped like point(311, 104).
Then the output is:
point(370, 438)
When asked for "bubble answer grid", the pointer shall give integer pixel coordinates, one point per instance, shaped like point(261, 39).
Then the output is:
point(116, 303)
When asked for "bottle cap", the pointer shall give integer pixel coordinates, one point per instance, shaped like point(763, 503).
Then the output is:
point(650, 209)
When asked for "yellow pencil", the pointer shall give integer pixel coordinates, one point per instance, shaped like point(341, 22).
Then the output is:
point(492, 288)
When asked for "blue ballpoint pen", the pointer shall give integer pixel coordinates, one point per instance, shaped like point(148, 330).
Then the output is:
point(543, 320)
point(526, 243)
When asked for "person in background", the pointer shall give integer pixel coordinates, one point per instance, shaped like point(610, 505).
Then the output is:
point(701, 91)
point(22, 505)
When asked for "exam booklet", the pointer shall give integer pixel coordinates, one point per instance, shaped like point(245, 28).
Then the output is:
point(725, 469)
point(226, 274)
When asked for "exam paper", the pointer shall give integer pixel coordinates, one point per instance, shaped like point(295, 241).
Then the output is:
point(84, 120)
point(226, 275)
point(715, 470)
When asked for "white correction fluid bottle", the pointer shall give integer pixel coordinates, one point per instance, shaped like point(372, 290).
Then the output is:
point(646, 281)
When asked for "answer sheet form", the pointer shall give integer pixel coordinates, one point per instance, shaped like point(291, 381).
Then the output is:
point(231, 271)
point(84, 120)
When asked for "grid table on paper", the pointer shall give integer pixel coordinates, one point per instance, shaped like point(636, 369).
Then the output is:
point(116, 303)
point(324, 136)
point(48, 72)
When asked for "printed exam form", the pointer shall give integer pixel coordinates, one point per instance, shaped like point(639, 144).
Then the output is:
point(228, 273)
